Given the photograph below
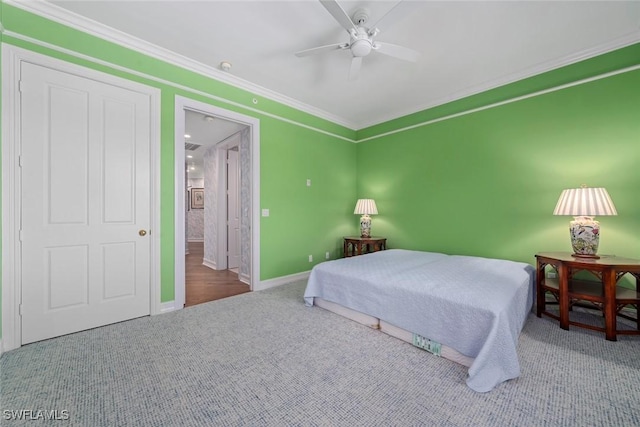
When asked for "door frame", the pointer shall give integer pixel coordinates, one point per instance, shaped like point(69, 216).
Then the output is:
point(12, 57)
point(182, 104)
point(223, 243)
point(220, 262)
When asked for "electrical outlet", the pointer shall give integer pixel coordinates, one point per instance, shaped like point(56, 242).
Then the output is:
point(327, 256)
point(308, 183)
point(310, 258)
point(552, 275)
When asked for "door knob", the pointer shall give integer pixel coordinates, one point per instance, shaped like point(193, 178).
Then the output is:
point(142, 232)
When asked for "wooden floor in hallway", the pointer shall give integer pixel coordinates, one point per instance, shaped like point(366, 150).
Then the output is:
point(204, 284)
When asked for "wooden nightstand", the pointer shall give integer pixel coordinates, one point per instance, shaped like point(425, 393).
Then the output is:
point(363, 245)
point(601, 293)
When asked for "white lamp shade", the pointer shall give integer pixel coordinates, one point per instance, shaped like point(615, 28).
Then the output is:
point(585, 202)
point(366, 207)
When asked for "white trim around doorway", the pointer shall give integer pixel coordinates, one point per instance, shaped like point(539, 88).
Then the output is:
point(182, 104)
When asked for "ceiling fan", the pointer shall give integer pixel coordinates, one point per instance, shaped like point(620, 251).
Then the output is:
point(361, 41)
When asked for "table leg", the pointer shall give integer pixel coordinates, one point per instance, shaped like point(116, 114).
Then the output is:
point(563, 304)
point(609, 308)
point(637, 277)
point(540, 293)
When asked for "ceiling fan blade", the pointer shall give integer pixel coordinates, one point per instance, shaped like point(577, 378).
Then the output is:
point(339, 14)
point(354, 70)
point(396, 51)
point(397, 12)
point(322, 49)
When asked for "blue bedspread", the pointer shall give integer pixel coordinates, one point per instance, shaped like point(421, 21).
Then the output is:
point(477, 306)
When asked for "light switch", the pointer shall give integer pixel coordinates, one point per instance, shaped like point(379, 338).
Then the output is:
point(308, 183)
point(265, 212)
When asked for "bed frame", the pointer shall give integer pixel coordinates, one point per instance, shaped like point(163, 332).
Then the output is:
point(392, 330)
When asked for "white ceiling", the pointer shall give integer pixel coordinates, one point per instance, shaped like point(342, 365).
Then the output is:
point(465, 46)
point(205, 131)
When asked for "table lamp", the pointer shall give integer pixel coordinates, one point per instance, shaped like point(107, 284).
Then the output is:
point(365, 207)
point(583, 204)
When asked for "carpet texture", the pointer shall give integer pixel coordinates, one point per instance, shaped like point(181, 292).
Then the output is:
point(264, 359)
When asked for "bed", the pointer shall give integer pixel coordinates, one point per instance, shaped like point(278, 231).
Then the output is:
point(468, 309)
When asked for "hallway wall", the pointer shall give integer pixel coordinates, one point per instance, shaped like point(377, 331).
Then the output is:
point(195, 217)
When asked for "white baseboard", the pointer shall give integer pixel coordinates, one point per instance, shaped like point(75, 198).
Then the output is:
point(168, 306)
point(1, 350)
point(194, 240)
point(244, 278)
point(283, 280)
point(209, 263)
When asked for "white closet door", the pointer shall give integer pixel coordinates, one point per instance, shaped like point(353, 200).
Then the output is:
point(85, 172)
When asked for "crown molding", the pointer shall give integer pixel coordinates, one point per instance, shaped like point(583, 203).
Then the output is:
point(627, 40)
point(70, 19)
point(505, 102)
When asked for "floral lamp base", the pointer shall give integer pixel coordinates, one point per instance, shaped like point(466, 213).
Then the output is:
point(365, 226)
point(585, 236)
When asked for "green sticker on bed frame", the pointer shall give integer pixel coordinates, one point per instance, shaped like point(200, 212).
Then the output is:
point(426, 344)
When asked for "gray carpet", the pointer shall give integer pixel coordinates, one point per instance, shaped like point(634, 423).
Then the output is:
point(264, 359)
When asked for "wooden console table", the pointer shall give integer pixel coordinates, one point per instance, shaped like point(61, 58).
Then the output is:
point(361, 245)
point(603, 294)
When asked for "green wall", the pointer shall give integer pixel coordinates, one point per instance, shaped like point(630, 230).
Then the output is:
point(303, 220)
point(486, 183)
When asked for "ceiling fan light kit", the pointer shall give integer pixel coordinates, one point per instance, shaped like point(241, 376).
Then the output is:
point(361, 41)
point(361, 47)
